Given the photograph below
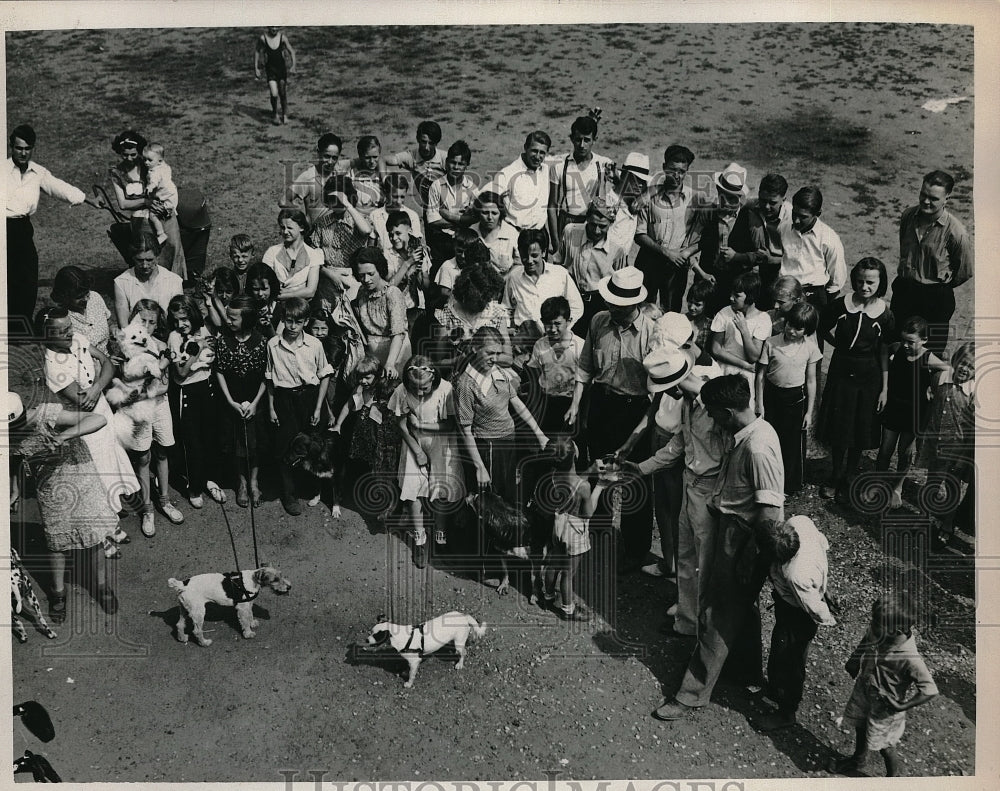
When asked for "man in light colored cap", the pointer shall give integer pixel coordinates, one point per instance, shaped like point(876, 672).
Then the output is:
point(700, 445)
point(631, 192)
point(611, 365)
point(589, 258)
point(717, 260)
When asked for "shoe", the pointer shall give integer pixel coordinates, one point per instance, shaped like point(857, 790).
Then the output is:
point(215, 492)
point(57, 607)
point(196, 501)
point(243, 497)
point(120, 537)
point(773, 722)
point(148, 526)
point(828, 492)
point(653, 570)
point(291, 504)
point(579, 614)
point(673, 710)
point(420, 555)
point(672, 610)
point(107, 599)
point(111, 551)
point(170, 511)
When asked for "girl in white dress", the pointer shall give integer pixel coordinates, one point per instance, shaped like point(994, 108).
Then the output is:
point(429, 467)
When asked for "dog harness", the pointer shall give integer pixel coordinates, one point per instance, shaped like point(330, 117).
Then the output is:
point(233, 587)
point(409, 648)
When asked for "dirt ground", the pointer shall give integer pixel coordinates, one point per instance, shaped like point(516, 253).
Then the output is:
point(834, 105)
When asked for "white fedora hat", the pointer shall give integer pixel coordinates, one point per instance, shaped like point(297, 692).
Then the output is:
point(732, 180)
point(637, 163)
point(665, 367)
point(623, 287)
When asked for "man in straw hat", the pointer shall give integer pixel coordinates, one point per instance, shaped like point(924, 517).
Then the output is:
point(717, 261)
point(749, 489)
point(611, 365)
point(589, 258)
point(627, 198)
point(701, 444)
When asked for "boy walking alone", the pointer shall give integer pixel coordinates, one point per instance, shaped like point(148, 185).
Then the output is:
point(884, 665)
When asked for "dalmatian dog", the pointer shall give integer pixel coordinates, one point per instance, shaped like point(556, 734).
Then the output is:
point(21, 592)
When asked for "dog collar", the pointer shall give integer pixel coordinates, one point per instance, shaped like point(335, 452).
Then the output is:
point(233, 587)
point(409, 648)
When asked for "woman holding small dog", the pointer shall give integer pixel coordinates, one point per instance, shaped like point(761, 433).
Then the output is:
point(429, 469)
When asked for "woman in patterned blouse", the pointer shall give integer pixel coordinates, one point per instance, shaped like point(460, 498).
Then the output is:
point(381, 311)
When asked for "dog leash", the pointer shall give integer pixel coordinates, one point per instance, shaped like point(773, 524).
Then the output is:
point(253, 524)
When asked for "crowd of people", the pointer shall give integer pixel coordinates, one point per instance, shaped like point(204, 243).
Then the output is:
point(655, 339)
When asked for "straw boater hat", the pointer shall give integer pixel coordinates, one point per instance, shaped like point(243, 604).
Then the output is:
point(732, 180)
point(623, 287)
point(673, 330)
point(639, 164)
point(665, 367)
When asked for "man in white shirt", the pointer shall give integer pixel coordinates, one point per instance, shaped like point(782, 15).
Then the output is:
point(25, 180)
point(533, 281)
point(577, 177)
point(525, 186)
point(812, 252)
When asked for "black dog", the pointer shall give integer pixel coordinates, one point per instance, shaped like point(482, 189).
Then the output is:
point(315, 452)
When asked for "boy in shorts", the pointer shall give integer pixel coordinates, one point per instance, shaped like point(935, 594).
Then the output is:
point(884, 665)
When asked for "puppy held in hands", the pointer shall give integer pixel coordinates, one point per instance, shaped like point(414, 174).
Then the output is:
point(413, 643)
point(236, 589)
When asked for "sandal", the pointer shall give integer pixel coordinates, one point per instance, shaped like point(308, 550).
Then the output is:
point(120, 537)
point(111, 551)
point(215, 492)
point(57, 607)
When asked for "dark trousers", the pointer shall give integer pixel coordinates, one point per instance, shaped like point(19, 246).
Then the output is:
point(819, 298)
point(794, 629)
point(785, 408)
point(665, 282)
point(610, 420)
point(500, 457)
point(768, 274)
point(731, 617)
point(593, 303)
point(196, 423)
point(294, 406)
point(934, 302)
point(22, 274)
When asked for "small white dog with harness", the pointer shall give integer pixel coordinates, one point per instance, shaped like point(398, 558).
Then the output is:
point(236, 589)
point(413, 643)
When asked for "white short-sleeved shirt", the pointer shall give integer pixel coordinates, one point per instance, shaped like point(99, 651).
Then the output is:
point(279, 260)
point(557, 370)
point(724, 321)
point(436, 408)
point(448, 274)
point(787, 362)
